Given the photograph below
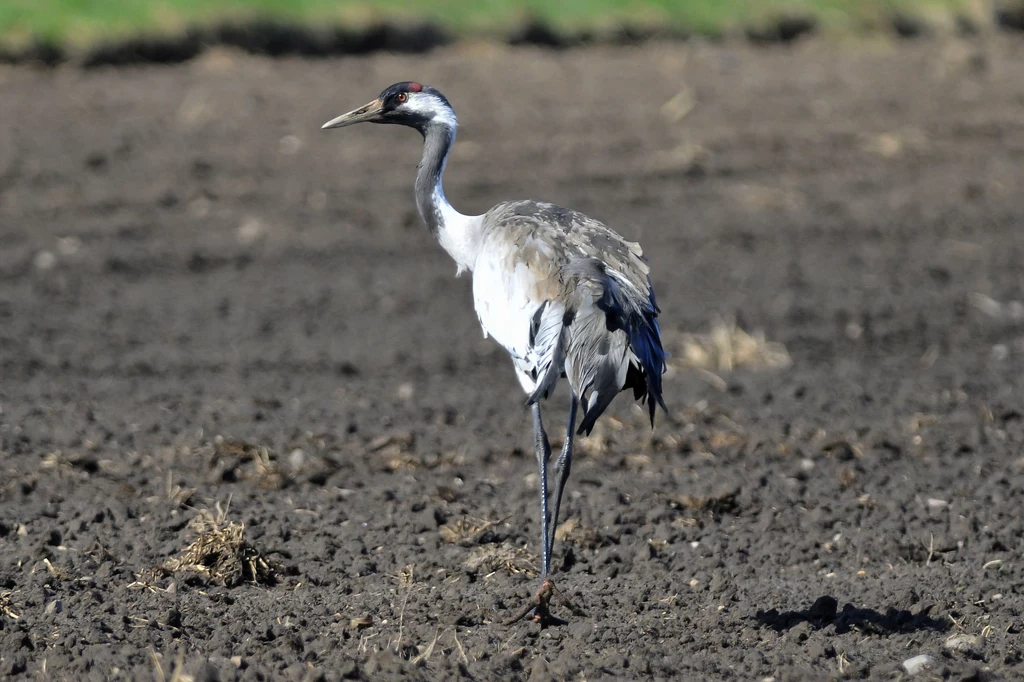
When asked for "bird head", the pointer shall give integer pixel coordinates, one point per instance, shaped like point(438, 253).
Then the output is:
point(409, 104)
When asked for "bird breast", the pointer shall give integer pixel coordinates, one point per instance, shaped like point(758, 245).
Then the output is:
point(510, 283)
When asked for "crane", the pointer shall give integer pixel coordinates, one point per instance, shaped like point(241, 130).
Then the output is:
point(562, 293)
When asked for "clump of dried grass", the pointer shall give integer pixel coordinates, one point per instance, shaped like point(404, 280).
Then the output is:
point(466, 530)
point(502, 557)
point(727, 347)
point(230, 457)
point(575, 533)
point(718, 505)
point(7, 606)
point(220, 553)
point(268, 472)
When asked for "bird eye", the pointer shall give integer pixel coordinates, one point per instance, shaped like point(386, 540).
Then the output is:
point(402, 97)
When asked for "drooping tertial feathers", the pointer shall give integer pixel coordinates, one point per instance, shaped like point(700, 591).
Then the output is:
point(587, 295)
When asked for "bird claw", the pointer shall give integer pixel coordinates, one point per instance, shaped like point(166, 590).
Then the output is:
point(539, 606)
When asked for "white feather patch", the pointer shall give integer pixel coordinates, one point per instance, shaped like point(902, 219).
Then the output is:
point(433, 106)
point(458, 234)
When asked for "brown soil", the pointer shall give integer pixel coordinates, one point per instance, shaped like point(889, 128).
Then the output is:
point(248, 421)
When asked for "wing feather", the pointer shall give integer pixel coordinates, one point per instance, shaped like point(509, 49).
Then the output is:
point(564, 293)
point(546, 357)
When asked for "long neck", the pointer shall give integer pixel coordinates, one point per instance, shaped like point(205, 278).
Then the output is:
point(438, 139)
point(457, 233)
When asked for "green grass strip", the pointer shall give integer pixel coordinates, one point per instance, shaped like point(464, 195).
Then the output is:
point(82, 23)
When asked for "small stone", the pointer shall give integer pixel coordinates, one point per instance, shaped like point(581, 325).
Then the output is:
point(918, 664)
point(964, 644)
point(44, 260)
point(250, 231)
point(289, 144)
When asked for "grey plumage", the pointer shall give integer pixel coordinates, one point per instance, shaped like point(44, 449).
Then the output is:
point(561, 292)
point(428, 177)
point(577, 263)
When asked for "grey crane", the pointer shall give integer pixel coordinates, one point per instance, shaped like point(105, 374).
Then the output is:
point(564, 294)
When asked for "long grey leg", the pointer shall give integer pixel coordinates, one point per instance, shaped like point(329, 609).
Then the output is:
point(562, 468)
point(543, 448)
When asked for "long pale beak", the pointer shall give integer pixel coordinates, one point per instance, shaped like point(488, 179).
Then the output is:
point(367, 112)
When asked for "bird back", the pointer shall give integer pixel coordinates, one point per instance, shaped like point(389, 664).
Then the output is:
point(592, 309)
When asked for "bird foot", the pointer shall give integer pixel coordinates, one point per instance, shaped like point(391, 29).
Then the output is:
point(539, 607)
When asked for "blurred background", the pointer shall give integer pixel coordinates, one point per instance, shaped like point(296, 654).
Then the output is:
point(53, 30)
point(250, 429)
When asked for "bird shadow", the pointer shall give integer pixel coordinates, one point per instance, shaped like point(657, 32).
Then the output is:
point(824, 612)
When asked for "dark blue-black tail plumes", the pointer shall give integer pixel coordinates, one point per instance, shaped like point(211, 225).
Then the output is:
point(639, 319)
